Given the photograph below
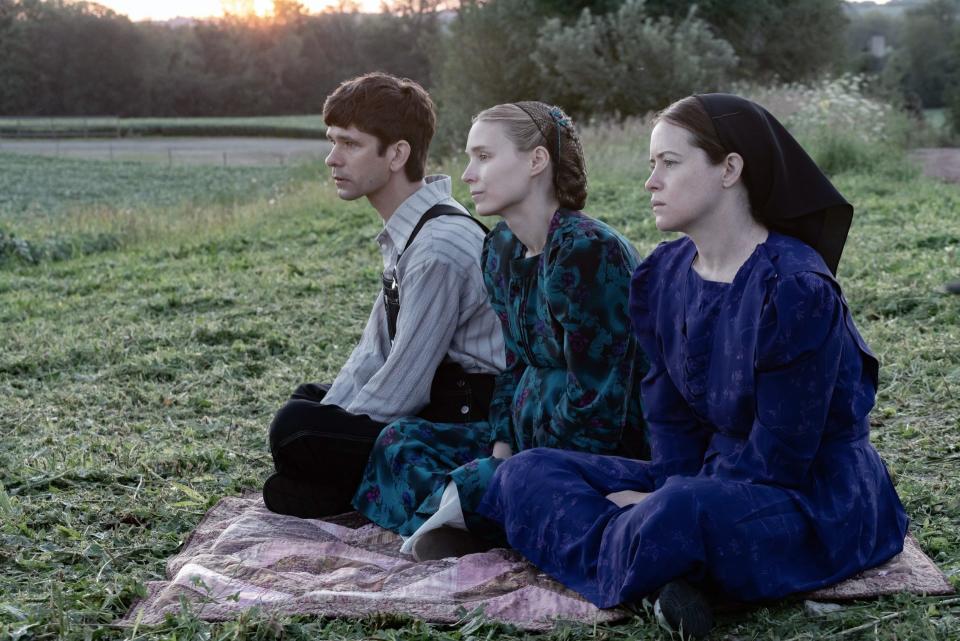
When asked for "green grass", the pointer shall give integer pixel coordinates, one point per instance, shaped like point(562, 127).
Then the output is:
point(35, 186)
point(305, 126)
point(304, 121)
point(80, 123)
point(58, 205)
point(137, 385)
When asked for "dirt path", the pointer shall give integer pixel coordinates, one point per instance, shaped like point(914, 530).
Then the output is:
point(943, 163)
point(178, 151)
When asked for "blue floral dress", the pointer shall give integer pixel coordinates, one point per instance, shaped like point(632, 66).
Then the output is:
point(764, 482)
point(572, 376)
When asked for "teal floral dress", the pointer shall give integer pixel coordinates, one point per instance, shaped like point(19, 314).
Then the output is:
point(572, 376)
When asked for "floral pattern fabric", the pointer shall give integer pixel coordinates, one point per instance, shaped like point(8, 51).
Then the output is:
point(763, 480)
point(573, 370)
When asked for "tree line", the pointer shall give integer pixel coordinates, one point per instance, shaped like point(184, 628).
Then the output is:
point(921, 64)
point(619, 57)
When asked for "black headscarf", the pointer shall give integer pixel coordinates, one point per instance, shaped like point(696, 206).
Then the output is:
point(788, 192)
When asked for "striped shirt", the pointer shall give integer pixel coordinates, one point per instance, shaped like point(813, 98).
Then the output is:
point(444, 313)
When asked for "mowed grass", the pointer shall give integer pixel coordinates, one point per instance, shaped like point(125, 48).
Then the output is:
point(137, 385)
point(28, 124)
point(63, 207)
point(35, 189)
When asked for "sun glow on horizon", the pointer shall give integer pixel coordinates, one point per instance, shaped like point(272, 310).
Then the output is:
point(138, 10)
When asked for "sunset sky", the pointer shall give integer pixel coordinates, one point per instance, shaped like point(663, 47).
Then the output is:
point(166, 9)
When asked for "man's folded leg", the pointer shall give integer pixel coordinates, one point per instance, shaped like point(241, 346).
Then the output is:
point(319, 452)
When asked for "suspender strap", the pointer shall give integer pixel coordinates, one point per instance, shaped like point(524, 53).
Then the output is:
point(435, 212)
point(391, 292)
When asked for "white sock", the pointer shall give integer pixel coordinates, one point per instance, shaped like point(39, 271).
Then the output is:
point(449, 514)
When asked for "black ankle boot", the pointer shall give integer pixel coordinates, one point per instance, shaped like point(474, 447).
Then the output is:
point(286, 495)
point(680, 607)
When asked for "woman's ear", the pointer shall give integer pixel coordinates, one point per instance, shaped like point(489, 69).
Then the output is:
point(401, 153)
point(732, 169)
point(539, 161)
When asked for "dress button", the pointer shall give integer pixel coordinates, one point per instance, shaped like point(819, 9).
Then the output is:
point(465, 409)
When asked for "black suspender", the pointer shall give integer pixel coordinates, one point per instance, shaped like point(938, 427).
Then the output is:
point(391, 292)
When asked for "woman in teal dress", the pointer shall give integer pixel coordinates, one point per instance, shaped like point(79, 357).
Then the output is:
point(559, 281)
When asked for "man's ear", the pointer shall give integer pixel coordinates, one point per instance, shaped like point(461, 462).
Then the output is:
point(401, 154)
point(732, 169)
point(539, 161)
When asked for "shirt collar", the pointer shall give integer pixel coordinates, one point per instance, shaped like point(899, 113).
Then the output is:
point(400, 225)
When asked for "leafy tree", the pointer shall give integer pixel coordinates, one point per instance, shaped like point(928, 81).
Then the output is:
point(926, 63)
point(861, 28)
point(485, 60)
point(567, 9)
point(59, 57)
point(784, 38)
point(629, 63)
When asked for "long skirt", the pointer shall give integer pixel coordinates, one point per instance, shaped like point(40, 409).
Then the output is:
point(746, 541)
point(412, 462)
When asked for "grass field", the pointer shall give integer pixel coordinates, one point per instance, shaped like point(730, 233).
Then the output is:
point(33, 186)
point(137, 383)
point(305, 126)
point(78, 122)
point(59, 205)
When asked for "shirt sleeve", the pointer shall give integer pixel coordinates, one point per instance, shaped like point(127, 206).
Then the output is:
point(799, 345)
point(587, 288)
point(429, 312)
point(365, 360)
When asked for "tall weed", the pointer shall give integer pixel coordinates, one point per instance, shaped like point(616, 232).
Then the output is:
point(837, 122)
point(840, 125)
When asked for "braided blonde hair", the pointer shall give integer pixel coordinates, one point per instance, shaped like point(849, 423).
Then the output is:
point(532, 124)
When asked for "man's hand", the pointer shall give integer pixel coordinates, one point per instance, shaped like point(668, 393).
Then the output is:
point(627, 497)
point(502, 450)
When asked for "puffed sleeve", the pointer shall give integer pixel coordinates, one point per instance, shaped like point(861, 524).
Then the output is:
point(587, 288)
point(495, 261)
point(799, 345)
point(678, 439)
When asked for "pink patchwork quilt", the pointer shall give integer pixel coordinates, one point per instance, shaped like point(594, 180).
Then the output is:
point(242, 555)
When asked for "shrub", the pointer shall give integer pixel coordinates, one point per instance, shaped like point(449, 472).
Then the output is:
point(628, 63)
point(13, 248)
point(54, 248)
point(953, 108)
point(839, 124)
point(484, 60)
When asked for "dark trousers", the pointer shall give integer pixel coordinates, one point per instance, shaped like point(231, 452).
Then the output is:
point(322, 445)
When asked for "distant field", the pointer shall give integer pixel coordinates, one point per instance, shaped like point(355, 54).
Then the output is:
point(33, 185)
point(58, 208)
point(177, 150)
point(303, 126)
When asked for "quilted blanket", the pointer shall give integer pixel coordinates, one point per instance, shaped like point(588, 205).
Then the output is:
point(242, 555)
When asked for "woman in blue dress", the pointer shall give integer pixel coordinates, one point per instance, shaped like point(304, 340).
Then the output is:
point(763, 481)
point(559, 281)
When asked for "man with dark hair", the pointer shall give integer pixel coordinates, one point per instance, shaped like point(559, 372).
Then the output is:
point(434, 355)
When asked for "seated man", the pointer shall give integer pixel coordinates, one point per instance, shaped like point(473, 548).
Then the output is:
point(432, 344)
